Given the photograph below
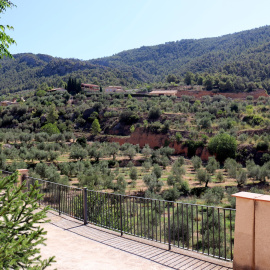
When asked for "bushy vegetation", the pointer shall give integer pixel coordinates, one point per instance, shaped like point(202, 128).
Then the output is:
point(66, 140)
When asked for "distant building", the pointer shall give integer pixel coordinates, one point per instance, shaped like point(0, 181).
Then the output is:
point(90, 87)
point(7, 102)
point(71, 100)
point(114, 89)
point(58, 90)
point(163, 93)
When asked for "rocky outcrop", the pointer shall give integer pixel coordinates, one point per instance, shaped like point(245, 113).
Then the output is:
point(198, 94)
point(142, 137)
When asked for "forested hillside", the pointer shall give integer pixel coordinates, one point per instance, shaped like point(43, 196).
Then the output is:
point(244, 55)
point(29, 71)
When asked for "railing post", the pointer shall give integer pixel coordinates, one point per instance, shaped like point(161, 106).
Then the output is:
point(121, 222)
point(85, 205)
point(22, 174)
point(169, 226)
point(59, 199)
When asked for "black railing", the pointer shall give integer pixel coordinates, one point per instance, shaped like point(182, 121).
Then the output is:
point(201, 228)
point(6, 173)
point(205, 229)
point(63, 199)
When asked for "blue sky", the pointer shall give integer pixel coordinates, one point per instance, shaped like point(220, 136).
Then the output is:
point(87, 29)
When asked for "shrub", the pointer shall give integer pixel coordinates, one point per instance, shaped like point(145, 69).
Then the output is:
point(262, 146)
point(196, 162)
point(156, 127)
point(214, 195)
point(121, 184)
point(257, 190)
point(146, 165)
point(232, 167)
point(130, 152)
point(184, 188)
point(178, 168)
point(181, 161)
point(264, 173)
point(220, 177)
point(147, 151)
point(232, 200)
point(64, 180)
point(253, 170)
point(133, 174)
point(234, 107)
point(205, 123)
point(2, 161)
point(154, 113)
point(95, 128)
point(257, 120)
point(193, 146)
point(78, 153)
point(82, 141)
point(181, 231)
point(203, 176)
point(129, 117)
point(164, 162)
point(265, 158)
point(204, 138)
point(174, 180)
point(243, 137)
point(167, 151)
point(154, 185)
point(132, 129)
point(157, 171)
point(171, 194)
point(212, 165)
point(130, 164)
point(249, 109)
point(178, 137)
point(50, 129)
point(16, 165)
point(41, 93)
point(241, 177)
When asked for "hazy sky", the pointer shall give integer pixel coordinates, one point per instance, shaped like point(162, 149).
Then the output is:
point(88, 29)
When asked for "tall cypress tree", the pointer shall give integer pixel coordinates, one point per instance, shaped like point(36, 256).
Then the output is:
point(95, 127)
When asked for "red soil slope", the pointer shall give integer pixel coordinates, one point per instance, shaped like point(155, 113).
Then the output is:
point(198, 94)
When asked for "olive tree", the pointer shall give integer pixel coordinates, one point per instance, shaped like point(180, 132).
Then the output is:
point(223, 146)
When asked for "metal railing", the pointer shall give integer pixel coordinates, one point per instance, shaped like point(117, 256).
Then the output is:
point(201, 228)
point(205, 229)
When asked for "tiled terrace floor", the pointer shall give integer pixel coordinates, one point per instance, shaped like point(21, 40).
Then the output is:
point(89, 247)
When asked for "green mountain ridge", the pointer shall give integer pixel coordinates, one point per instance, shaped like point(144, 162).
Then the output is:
point(28, 71)
point(192, 55)
point(245, 54)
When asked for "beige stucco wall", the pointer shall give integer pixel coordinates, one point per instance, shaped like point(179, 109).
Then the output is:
point(244, 227)
point(262, 233)
point(252, 232)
